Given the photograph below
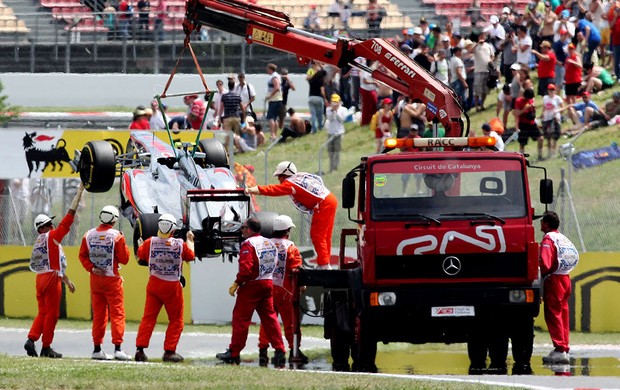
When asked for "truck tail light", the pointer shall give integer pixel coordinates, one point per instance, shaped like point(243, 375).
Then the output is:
point(521, 296)
point(382, 299)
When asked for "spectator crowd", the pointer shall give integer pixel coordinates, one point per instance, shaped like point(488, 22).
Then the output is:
point(563, 51)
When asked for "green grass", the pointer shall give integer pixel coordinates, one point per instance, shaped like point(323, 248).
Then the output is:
point(28, 373)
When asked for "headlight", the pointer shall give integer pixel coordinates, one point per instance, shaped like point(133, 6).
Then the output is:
point(516, 296)
point(387, 299)
point(382, 299)
point(521, 296)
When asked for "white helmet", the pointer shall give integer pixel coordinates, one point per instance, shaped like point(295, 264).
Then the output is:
point(108, 214)
point(283, 222)
point(166, 223)
point(285, 168)
point(41, 220)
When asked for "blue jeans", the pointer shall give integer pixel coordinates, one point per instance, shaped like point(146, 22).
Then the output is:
point(560, 72)
point(460, 90)
point(616, 50)
point(317, 108)
point(124, 28)
point(592, 46)
point(159, 29)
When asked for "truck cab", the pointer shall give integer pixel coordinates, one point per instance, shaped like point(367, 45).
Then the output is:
point(446, 252)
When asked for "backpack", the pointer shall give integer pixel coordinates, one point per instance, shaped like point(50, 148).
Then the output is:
point(374, 121)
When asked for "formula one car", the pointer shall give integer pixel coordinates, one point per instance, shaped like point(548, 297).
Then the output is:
point(191, 181)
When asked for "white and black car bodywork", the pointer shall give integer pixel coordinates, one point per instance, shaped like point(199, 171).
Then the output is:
point(191, 181)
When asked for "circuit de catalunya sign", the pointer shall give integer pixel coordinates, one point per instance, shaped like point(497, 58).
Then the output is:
point(46, 153)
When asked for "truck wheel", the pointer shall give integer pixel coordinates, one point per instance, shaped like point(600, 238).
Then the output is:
point(266, 219)
point(521, 331)
point(338, 327)
point(215, 153)
point(97, 166)
point(145, 227)
point(366, 346)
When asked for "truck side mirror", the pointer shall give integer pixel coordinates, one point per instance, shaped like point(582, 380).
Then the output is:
point(546, 191)
point(348, 192)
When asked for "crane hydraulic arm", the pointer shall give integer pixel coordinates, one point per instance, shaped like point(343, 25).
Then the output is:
point(272, 28)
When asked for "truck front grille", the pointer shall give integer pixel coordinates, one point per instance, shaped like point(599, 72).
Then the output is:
point(470, 266)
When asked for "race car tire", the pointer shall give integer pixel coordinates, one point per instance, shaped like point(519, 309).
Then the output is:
point(145, 227)
point(215, 153)
point(97, 166)
point(266, 219)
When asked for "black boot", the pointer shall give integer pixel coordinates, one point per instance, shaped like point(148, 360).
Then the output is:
point(30, 348)
point(263, 357)
point(279, 359)
point(228, 358)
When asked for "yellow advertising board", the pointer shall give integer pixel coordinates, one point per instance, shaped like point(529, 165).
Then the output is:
point(594, 306)
point(46, 153)
point(18, 293)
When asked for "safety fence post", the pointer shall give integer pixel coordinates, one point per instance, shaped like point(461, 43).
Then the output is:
point(323, 146)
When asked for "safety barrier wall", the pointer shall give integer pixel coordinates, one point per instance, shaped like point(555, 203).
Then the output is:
point(125, 90)
point(17, 286)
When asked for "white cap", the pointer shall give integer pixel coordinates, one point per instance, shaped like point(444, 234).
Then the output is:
point(515, 67)
point(286, 168)
point(417, 30)
point(41, 220)
point(166, 223)
point(494, 19)
point(283, 222)
point(506, 10)
point(108, 214)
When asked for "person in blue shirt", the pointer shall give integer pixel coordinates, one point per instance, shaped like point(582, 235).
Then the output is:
point(585, 30)
point(585, 115)
point(560, 48)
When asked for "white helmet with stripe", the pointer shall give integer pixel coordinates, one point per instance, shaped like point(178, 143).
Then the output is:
point(41, 220)
point(285, 168)
point(108, 214)
point(166, 223)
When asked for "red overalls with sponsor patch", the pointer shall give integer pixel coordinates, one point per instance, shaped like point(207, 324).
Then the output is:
point(310, 195)
point(558, 256)
point(105, 248)
point(48, 261)
point(165, 259)
point(289, 260)
point(257, 261)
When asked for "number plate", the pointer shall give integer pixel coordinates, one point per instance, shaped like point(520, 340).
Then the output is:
point(453, 311)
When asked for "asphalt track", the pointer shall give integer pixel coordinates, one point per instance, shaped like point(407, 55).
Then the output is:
point(203, 346)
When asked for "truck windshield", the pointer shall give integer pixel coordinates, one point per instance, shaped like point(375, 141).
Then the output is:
point(492, 189)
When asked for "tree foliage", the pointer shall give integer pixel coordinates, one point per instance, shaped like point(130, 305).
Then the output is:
point(7, 111)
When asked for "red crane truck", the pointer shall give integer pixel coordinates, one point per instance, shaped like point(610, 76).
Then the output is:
point(445, 240)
